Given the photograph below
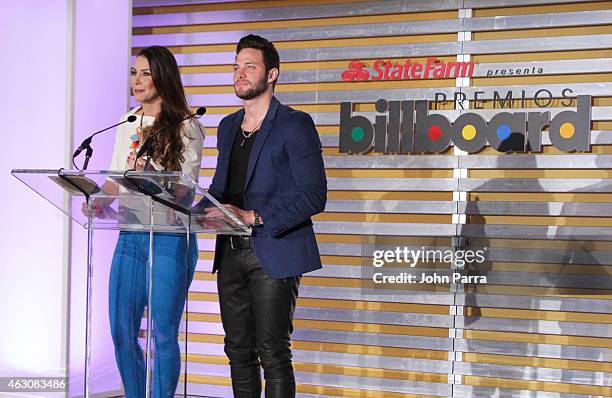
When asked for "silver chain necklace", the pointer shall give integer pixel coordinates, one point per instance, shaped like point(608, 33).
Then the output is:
point(247, 134)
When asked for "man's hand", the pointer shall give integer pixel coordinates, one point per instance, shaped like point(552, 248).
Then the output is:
point(246, 216)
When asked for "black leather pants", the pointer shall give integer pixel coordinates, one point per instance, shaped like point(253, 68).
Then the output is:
point(257, 314)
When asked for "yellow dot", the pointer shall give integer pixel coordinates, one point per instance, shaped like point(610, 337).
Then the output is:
point(468, 132)
point(567, 130)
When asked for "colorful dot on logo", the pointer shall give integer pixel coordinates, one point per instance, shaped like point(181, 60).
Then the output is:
point(504, 132)
point(567, 130)
point(357, 134)
point(468, 132)
point(435, 132)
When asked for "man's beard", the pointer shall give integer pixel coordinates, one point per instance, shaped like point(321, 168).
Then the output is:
point(254, 92)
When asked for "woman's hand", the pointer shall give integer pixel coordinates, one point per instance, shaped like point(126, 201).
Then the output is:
point(140, 163)
point(97, 208)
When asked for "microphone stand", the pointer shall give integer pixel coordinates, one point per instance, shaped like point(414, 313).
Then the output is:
point(86, 144)
point(147, 146)
point(88, 153)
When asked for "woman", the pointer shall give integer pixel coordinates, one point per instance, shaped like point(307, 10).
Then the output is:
point(156, 85)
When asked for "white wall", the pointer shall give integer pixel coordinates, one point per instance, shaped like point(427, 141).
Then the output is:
point(34, 43)
point(64, 64)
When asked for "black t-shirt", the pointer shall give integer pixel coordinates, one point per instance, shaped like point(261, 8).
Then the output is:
point(239, 162)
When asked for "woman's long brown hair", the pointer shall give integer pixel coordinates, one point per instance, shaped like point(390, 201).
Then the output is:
point(168, 146)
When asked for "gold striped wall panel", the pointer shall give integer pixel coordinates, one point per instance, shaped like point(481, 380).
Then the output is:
point(542, 325)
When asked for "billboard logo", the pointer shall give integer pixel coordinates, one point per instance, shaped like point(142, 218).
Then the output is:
point(408, 127)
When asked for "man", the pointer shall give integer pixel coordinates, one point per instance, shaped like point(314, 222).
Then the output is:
point(270, 174)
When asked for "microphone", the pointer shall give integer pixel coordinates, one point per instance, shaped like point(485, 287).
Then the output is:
point(146, 146)
point(87, 141)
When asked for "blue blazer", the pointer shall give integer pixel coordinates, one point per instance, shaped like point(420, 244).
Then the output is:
point(285, 184)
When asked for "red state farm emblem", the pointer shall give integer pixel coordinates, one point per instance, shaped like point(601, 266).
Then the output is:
point(355, 71)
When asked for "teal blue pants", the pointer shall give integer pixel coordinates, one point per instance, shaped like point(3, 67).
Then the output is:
point(173, 269)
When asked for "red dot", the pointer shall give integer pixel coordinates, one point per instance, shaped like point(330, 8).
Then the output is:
point(348, 76)
point(363, 75)
point(435, 132)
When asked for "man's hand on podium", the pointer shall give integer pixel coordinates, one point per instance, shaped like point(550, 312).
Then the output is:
point(247, 217)
point(213, 217)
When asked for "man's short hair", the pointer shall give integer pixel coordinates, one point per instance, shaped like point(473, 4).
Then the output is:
point(269, 52)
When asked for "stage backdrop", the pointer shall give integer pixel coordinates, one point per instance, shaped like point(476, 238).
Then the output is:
point(541, 325)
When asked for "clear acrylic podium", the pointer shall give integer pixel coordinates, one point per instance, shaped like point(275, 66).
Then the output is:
point(151, 201)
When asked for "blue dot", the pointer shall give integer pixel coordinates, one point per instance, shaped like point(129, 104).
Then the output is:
point(357, 134)
point(504, 132)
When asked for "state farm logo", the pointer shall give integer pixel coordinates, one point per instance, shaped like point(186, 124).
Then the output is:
point(355, 71)
point(433, 68)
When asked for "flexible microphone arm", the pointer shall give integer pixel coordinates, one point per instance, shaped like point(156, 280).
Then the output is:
point(87, 141)
point(86, 144)
point(147, 146)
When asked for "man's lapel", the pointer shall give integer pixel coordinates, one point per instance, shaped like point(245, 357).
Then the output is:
point(230, 136)
point(260, 139)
